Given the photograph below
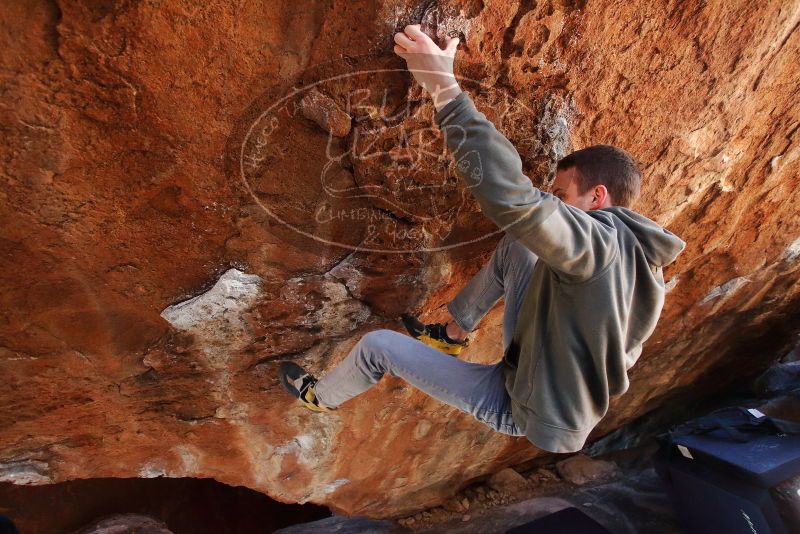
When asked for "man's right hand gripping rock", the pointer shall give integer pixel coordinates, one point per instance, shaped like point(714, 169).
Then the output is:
point(430, 65)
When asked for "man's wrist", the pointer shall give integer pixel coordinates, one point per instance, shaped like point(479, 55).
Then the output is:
point(445, 95)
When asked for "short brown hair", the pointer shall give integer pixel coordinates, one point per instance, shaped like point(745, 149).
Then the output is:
point(606, 165)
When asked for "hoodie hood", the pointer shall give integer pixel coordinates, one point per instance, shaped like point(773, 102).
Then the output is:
point(660, 246)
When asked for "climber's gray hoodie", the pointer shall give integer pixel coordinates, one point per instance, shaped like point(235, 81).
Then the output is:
point(594, 297)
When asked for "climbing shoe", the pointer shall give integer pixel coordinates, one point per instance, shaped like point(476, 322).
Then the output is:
point(434, 335)
point(301, 385)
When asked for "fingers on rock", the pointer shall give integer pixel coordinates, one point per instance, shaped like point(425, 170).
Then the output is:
point(414, 31)
point(403, 40)
point(452, 44)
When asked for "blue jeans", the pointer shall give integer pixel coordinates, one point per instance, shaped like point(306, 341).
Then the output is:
point(474, 388)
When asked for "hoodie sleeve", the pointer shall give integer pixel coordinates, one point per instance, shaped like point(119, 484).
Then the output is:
point(567, 239)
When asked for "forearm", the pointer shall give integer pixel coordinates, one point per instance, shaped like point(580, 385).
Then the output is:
point(564, 237)
point(490, 165)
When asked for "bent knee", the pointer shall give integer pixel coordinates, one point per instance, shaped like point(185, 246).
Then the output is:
point(380, 338)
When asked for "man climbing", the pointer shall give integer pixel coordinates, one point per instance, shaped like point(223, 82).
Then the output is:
point(580, 274)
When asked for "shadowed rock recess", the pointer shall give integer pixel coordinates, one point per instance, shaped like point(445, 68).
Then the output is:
point(195, 191)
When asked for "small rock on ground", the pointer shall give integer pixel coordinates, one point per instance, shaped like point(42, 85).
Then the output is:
point(507, 481)
point(581, 469)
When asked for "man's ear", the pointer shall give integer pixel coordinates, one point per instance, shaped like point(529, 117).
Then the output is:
point(599, 196)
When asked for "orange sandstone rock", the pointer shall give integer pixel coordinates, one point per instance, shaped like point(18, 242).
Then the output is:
point(152, 155)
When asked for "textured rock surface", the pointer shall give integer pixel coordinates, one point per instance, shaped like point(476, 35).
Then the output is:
point(507, 480)
point(125, 524)
point(581, 469)
point(148, 150)
point(638, 502)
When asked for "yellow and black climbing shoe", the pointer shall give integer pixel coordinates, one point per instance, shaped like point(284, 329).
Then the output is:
point(301, 385)
point(434, 335)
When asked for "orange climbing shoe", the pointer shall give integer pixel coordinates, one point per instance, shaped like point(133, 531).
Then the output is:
point(434, 334)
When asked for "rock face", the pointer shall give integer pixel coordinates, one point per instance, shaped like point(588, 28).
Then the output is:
point(157, 154)
point(127, 523)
